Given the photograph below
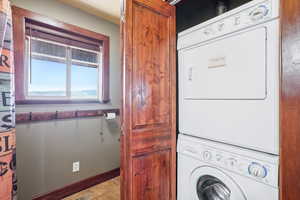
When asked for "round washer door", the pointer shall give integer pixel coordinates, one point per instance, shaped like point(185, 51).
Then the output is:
point(209, 183)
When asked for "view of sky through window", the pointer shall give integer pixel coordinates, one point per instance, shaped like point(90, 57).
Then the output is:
point(48, 78)
point(84, 82)
point(62, 71)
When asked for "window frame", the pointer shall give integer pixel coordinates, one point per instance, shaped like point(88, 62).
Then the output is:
point(20, 16)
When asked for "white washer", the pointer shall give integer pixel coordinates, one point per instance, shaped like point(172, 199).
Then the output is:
point(214, 171)
point(229, 77)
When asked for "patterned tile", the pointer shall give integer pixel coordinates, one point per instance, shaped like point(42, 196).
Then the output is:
point(109, 190)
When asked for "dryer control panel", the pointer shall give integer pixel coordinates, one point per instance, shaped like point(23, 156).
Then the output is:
point(255, 165)
point(255, 12)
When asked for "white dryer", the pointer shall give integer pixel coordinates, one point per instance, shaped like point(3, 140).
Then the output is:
point(215, 171)
point(229, 77)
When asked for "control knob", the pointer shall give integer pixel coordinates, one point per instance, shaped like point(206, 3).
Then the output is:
point(260, 12)
point(207, 155)
point(257, 170)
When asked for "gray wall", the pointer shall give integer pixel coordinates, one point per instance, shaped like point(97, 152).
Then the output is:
point(46, 150)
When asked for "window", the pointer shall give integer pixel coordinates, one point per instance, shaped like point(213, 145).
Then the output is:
point(62, 64)
point(70, 72)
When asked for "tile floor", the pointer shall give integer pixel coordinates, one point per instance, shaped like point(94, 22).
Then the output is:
point(109, 190)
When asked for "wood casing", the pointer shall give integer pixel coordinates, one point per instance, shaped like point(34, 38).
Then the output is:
point(290, 101)
point(58, 115)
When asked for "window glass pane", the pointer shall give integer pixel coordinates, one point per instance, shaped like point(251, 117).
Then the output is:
point(48, 78)
point(84, 56)
point(84, 82)
point(46, 48)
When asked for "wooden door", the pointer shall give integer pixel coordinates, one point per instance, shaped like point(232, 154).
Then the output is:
point(290, 101)
point(148, 166)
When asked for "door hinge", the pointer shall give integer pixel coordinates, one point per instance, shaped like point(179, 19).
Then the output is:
point(172, 2)
point(123, 10)
point(122, 129)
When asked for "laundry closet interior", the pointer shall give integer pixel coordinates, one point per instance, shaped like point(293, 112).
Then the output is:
point(228, 100)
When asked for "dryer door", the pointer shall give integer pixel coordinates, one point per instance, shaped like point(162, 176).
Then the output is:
point(209, 183)
point(233, 67)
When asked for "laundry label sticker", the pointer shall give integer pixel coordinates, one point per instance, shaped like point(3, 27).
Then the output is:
point(217, 62)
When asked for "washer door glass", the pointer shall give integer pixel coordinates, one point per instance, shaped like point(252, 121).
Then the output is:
point(211, 188)
point(210, 183)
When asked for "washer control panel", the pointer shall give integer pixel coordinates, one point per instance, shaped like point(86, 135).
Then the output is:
point(252, 167)
point(247, 15)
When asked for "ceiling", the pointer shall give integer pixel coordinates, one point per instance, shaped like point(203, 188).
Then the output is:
point(107, 9)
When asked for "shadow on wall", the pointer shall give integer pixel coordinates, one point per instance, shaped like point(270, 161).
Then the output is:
point(113, 126)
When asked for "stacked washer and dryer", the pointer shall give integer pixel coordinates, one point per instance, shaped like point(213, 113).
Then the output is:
point(228, 146)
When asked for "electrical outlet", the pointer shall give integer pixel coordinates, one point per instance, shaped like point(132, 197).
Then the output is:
point(76, 166)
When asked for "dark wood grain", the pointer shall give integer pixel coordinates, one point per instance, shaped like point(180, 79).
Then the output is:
point(56, 23)
point(105, 74)
point(150, 174)
point(148, 140)
point(20, 16)
point(290, 102)
point(19, 55)
point(78, 186)
point(46, 116)
point(36, 101)
point(150, 80)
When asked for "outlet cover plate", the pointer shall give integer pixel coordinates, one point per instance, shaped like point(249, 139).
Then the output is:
point(76, 166)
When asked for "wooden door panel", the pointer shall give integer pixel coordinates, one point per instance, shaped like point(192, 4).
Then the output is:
point(151, 140)
point(148, 167)
point(151, 178)
point(151, 82)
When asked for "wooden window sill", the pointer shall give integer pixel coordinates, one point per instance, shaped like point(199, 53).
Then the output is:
point(28, 102)
point(59, 115)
